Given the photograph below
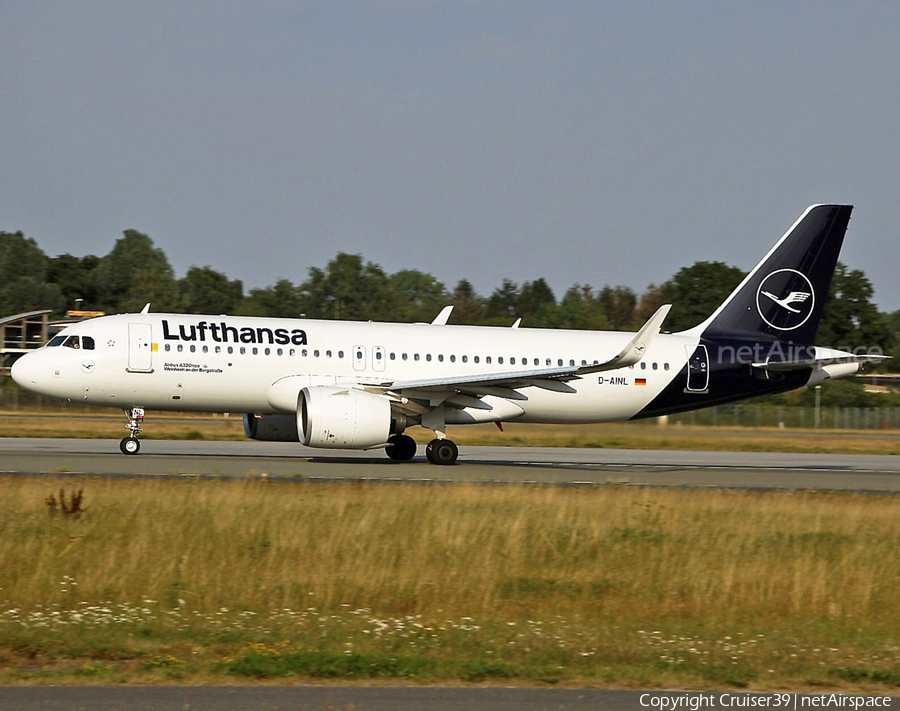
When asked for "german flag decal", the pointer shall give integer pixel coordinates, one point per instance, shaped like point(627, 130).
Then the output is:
point(640, 381)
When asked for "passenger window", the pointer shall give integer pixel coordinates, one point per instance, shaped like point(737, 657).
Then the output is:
point(316, 353)
point(559, 362)
point(453, 359)
point(500, 360)
point(571, 362)
point(428, 357)
point(341, 354)
point(292, 352)
point(206, 349)
point(643, 365)
point(655, 366)
point(279, 352)
point(243, 350)
point(440, 357)
point(378, 355)
point(465, 359)
point(538, 362)
point(405, 356)
point(180, 348)
point(583, 363)
point(230, 350)
point(393, 356)
point(193, 349)
point(665, 366)
point(487, 360)
point(218, 349)
point(304, 353)
point(255, 350)
point(328, 354)
point(416, 356)
point(476, 359)
point(268, 351)
point(512, 361)
point(168, 347)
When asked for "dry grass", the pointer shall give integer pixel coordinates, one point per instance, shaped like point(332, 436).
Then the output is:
point(465, 550)
point(604, 586)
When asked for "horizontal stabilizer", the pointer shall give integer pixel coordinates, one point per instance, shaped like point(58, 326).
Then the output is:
point(788, 365)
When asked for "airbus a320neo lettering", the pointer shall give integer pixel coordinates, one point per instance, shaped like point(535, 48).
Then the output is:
point(339, 384)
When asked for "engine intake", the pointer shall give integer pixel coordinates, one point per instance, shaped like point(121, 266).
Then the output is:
point(343, 418)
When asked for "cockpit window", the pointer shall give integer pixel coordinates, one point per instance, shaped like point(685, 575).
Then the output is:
point(85, 342)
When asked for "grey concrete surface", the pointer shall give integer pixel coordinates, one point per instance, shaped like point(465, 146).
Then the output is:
point(357, 698)
point(541, 465)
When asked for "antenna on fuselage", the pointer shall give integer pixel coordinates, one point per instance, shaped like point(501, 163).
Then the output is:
point(146, 309)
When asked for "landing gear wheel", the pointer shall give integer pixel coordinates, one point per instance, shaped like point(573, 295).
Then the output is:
point(401, 448)
point(442, 451)
point(130, 445)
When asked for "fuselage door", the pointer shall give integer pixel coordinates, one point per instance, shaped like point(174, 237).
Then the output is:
point(698, 369)
point(359, 357)
point(140, 348)
point(378, 358)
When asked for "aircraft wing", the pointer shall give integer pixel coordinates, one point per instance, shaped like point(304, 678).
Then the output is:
point(787, 365)
point(506, 384)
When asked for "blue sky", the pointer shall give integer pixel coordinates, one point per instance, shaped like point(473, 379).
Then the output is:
point(585, 142)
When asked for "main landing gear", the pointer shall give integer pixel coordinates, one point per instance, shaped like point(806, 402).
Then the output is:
point(401, 448)
point(442, 451)
point(131, 444)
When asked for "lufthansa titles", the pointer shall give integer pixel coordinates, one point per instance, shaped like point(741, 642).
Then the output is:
point(221, 332)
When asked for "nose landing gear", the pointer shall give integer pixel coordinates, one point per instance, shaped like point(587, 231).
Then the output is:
point(131, 444)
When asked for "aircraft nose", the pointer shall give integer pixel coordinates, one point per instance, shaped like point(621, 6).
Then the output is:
point(24, 371)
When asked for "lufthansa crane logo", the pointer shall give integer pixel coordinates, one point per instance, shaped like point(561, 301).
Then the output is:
point(785, 299)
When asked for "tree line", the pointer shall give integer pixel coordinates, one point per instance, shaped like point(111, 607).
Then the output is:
point(136, 272)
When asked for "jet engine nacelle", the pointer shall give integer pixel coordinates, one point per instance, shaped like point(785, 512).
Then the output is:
point(342, 418)
point(271, 428)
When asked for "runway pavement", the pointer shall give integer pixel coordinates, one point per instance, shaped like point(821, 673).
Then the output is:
point(359, 698)
point(522, 465)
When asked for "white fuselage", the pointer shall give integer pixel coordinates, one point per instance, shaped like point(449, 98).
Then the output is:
point(243, 364)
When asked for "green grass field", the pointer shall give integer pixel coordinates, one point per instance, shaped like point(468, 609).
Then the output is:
point(220, 582)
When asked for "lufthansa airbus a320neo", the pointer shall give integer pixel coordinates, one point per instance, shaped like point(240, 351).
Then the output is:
point(350, 385)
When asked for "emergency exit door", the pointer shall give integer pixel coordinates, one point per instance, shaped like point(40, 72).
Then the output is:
point(359, 357)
